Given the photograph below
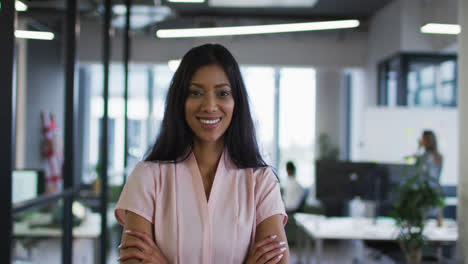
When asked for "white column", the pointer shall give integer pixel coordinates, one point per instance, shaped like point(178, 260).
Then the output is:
point(21, 95)
point(462, 212)
point(329, 106)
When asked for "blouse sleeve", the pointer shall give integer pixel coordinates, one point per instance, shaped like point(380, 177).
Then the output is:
point(138, 194)
point(268, 199)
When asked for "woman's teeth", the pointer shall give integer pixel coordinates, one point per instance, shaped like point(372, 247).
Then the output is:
point(205, 121)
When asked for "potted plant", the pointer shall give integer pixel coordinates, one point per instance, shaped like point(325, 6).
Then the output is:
point(415, 197)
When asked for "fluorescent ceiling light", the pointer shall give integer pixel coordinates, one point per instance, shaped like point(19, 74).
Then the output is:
point(434, 28)
point(262, 3)
point(34, 34)
point(20, 6)
point(186, 1)
point(261, 29)
point(173, 64)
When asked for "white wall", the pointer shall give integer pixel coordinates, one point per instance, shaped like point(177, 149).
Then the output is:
point(329, 110)
point(412, 18)
point(390, 134)
point(384, 41)
point(358, 99)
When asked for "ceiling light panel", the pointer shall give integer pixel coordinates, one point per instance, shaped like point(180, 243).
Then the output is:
point(186, 1)
point(259, 29)
point(34, 35)
point(262, 3)
point(20, 6)
point(435, 28)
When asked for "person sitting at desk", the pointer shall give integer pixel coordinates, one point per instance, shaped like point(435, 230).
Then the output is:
point(293, 191)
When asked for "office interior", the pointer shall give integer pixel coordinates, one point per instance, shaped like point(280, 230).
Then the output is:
point(359, 95)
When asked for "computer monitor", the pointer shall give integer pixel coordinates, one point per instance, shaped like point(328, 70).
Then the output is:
point(27, 185)
point(338, 182)
point(342, 180)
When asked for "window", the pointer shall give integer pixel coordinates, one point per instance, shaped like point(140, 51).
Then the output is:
point(418, 80)
point(260, 85)
point(297, 122)
point(293, 108)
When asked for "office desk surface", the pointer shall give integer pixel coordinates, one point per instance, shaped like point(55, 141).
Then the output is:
point(321, 227)
point(89, 228)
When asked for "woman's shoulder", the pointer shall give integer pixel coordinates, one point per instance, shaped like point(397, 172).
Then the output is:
point(147, 164)
point(263, 173)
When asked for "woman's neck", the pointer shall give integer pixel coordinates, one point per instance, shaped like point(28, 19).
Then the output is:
point(207, 154)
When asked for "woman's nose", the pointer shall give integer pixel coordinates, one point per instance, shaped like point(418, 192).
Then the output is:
point(209, 104)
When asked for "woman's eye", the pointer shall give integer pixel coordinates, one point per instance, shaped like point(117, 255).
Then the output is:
point(195, 93)
point(224, 93)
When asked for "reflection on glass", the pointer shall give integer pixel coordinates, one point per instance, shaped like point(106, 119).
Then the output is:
point(427, 75)
point(162, 76)
point(447, 70)
point(392, 85)
point(432, 84)
point(40, 106)
point(260, 84)
point(447, 95)
point(37, 235)
point(297, 122)
point(138, 114)
point(426, 97)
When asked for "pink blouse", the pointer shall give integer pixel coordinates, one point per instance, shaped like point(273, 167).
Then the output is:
point(187, 227)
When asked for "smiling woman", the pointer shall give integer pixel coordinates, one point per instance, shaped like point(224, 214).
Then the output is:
point(204, 194)
point(209, 106)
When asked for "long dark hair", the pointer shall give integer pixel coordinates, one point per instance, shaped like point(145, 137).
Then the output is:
point(176, 137)
point(430, 145)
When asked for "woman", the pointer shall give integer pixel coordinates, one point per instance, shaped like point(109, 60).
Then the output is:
point(204, 193)
point(431, 160)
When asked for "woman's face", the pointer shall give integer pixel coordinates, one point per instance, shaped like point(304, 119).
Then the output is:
point(210, 104)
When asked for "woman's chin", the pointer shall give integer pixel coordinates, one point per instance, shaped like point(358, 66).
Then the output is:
point(209, 139)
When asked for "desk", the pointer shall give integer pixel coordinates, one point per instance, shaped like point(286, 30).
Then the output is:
point(320, 227)
point(90, 228)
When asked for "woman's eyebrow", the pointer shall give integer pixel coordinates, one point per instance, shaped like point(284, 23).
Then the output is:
point(220, 85)
point(197, 85)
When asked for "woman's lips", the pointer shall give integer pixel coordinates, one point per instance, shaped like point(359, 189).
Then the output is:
point(209, 122)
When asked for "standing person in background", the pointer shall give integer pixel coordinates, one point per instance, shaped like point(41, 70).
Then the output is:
point(431, 160)
point(293, 192)
point(204, 194)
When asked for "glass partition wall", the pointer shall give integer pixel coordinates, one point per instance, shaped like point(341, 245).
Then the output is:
point(52, 193)
point(42, 176)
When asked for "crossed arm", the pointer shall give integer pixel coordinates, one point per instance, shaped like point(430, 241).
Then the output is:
point(140, 239)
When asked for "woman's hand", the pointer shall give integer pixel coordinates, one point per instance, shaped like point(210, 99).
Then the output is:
point(266, 251)
point(142, 248)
